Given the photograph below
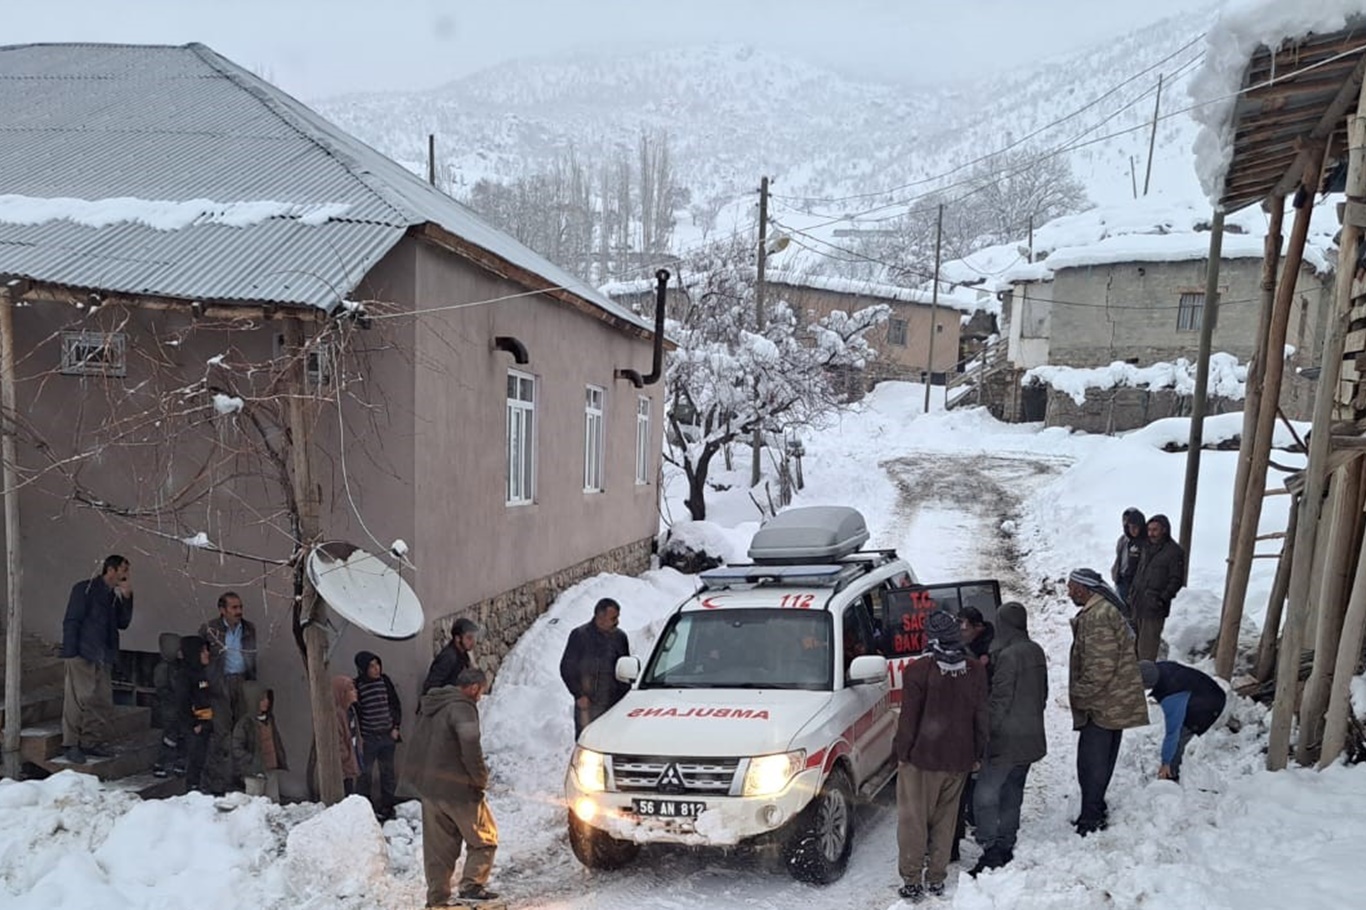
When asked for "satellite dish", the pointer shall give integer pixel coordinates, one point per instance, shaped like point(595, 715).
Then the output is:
point(364, 590)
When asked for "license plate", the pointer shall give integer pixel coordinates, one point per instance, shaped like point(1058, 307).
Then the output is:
point(668, 808)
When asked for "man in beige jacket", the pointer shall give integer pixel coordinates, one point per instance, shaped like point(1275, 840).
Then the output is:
point(445, 769)
point(1105, 689)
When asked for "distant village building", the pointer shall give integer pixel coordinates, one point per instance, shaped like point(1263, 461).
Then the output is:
point(1126, 285)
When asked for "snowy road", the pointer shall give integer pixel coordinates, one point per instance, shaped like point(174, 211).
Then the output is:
point(948, 520)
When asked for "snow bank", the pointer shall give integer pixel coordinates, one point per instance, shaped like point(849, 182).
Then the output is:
point(1242, 27)
point(1174, 432)
point(1227, 377)
point(730, 545)
point(316, 867)
point(160, 214)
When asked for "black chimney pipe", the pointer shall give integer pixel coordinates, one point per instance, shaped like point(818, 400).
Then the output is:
point(657, 369)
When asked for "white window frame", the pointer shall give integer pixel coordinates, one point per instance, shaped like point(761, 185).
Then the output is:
point(520, 445)
point(594, 415)
point(94, 354)
point(642, 440)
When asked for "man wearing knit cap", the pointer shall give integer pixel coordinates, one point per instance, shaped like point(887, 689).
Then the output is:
point(940, 739)
point(1106, 692)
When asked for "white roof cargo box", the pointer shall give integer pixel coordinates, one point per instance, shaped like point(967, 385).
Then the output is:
point(813, 533)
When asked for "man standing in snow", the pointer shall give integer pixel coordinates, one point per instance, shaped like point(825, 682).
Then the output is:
point(940, 738)
point(379, 714)
point(1018, 695)
point(1106, 692)
point(453, 658)
point(445, 769)
point(96, 611)
point(589, 664)
point(1129, 551)
point(232, 649)
point(1161, 573)
point(1191, 702)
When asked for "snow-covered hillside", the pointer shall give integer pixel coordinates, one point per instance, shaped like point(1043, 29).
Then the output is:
point(734, 112)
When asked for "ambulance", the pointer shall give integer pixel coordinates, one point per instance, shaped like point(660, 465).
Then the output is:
point(766, 711)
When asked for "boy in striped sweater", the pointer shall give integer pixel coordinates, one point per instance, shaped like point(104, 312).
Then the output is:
point(379, 712)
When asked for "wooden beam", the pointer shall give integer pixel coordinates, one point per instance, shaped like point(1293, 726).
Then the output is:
point(1337, 108)
point(1266, 649)
point(14, 614)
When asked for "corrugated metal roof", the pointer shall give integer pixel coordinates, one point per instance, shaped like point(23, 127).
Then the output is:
point(180, 123)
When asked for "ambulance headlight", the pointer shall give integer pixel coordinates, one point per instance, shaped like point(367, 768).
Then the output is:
point(770, 774)
point(590, 770)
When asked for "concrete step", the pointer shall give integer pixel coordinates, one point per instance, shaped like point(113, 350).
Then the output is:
point(38, 706)
point(133, 754)
point(44, 741)
point(37, 673)
point(149, 786)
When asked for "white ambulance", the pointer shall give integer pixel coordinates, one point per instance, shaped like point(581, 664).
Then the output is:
point(767, 707)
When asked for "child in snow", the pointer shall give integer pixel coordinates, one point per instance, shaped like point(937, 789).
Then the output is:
point(257, 750)
point(172, 708)
point(199, 717)
point(348, 733)
point(380, 714)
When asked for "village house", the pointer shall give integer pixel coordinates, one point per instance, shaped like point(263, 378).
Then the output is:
point(1126, 285)
point(175, 232)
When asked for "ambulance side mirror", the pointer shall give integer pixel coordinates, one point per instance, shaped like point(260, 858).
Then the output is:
point(869, 668)
point(628, 669)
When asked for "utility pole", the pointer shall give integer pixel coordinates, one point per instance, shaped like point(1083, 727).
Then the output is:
point(13, 763)
point(760, 317)
point(1152, 137)
point(1208, 316)
point(1031, 244)
point(1133, 176)
point(934, 304)
point(431, 158)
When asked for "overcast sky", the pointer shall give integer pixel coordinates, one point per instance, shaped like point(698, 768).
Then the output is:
point(317, 48)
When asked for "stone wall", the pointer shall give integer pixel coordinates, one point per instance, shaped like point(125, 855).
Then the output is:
point(1125, 408)
point(504, 617)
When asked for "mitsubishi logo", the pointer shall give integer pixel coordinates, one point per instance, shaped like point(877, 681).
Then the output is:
point(671, 781)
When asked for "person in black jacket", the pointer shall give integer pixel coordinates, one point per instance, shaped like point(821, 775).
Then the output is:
point(1191, 702)
point(978, 635)
point(379, 713)
point(454, 658)
point(95, 612)
point(1161, 573)
point(589, 664)
point(203, 695)
point(1129, 551)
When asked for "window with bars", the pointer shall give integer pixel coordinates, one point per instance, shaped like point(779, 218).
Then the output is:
point(642, 440)
point(896, 331)
point(592, 439)
point(94, 354)
point(1189, 314)
point(521, 439)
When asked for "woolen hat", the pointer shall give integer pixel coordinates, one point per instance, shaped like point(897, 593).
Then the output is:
point(942, 626)
point(363, 659)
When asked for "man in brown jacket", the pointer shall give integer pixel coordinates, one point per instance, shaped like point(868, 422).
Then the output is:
point(1105, 689)
point(940, 739)
point(445, 769)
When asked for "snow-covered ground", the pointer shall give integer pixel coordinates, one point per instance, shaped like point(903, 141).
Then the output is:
point(961, 495)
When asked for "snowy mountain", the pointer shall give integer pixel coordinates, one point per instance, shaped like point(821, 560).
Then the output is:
point(733, 113)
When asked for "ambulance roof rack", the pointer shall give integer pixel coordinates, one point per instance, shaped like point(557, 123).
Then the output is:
point(813, 534)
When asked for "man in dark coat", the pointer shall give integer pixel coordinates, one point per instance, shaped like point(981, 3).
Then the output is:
point(232, 646)
point(1129, 551)
point(1191, 702)
point(589, 664)
point(1018, 696)
point(445, 769)
point(96, 611)
point(453, 658)
point(978, 635)
point(941, 737)
point(1161, 573)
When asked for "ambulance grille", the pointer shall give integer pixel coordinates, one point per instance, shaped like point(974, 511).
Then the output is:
point(641, 773)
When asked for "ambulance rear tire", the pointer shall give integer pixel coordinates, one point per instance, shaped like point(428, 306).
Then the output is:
point(597, 849)
point(819, 848)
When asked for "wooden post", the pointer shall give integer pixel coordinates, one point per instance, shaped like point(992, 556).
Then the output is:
point(14, 626)
point(330, 788)
point(1256, 368)
point(1152, 137)
point(431, 158)
point(1275, 606)
point(1330, 605)
point(1208, 317)
point(1345, 666)
point(1273, 369)
point(1311, 503)
point(760, 316)
point(934, 305)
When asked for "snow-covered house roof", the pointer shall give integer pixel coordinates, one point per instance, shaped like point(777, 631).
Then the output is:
point(173, 172)
point(1152, 229)
point(962, 299)
point(1278, 75)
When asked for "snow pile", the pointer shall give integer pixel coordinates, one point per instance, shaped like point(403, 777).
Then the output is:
point(316, 867)
point(161, 214)
point(1174, 432)
point(961, 299)
point(1227, 377)
point(1242, 27)
point(728, 545)
point(227, 404)
point(198, 541)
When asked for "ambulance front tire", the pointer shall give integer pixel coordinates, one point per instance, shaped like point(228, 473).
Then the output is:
point(823, 835)
point(597, 849)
